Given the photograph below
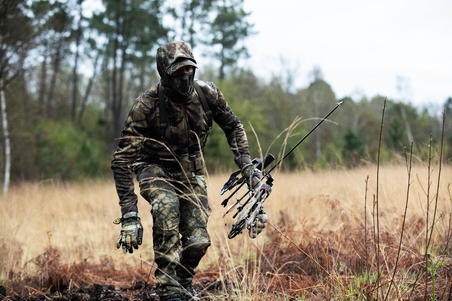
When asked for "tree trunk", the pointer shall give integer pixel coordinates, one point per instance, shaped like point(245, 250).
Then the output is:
point(7, 140)
point(114, 89)
point(106, 71)
point(74, 71)
point(88, 89)
point(222, 55)
point(114, 81)
point(120, 90)
point(22, 86)
point(56, 69)
point(141, 75)
point(42, 86)
point(184, 21)
point(221, 75)
point(191, 30)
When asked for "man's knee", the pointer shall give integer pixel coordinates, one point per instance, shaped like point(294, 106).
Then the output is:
point(198, 245)
point(196, 242)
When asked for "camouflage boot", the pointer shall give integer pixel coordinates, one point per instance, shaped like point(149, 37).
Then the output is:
point(173, 297)
point(190, 293)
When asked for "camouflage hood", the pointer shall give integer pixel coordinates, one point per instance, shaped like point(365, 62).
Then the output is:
point(171, 57)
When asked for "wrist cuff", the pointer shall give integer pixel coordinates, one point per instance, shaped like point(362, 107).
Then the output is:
point(247, 170)
point(130, 214)
point(246, 166)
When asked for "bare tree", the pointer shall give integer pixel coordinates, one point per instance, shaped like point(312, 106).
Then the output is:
point(127, 26)
point(15, 37)
point(78, 35)
point(6, 141)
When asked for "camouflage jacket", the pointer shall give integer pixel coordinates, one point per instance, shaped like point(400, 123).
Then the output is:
point(188, 128)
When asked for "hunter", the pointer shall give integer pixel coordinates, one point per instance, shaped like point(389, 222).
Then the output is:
point(162, 143)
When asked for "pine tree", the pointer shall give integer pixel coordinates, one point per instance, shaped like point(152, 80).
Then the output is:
point(132, 29)
point(228, 31)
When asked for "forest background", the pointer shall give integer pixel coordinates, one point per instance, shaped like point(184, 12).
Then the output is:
point(69, 75)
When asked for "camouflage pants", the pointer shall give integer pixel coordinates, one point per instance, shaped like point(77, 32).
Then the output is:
point(180, 211)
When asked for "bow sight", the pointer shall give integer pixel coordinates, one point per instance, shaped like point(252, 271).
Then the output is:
point(246, 213)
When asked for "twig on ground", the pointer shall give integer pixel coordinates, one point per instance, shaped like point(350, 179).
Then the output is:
point(448, 234)
point(365, 229)
point(377, 199)
point(374, 232)
point(429, 184)
point(403, 222)
point(438, 181)
point(436, 204)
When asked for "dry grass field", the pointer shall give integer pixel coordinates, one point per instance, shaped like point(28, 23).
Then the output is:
point(58, 237)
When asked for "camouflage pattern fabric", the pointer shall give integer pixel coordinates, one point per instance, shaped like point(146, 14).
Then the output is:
point(178, 196)
point(141, 139)
point(170, 57)
point(179, 205)
point(171, 53)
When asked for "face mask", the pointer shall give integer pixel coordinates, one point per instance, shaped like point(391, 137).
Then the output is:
point(183, 84)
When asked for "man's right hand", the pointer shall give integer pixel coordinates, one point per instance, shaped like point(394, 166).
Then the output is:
point(131, 235)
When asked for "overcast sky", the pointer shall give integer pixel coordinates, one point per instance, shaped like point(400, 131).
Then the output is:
point(361, 46)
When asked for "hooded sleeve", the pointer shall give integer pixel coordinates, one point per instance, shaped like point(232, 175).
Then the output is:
point(231, 125)
point(127, 152)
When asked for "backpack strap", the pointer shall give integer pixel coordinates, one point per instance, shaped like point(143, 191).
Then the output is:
point(204, 104)
point(163, 112)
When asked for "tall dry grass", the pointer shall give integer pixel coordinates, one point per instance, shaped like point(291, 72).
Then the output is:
point(315, 233)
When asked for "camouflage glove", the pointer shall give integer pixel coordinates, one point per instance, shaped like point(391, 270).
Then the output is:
point(253, 176)
point(131, 233)
point(259, 225)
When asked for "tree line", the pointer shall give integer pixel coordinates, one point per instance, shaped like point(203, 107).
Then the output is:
point(69, 74)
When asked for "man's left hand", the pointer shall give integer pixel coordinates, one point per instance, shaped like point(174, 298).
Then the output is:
point(253, 176)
